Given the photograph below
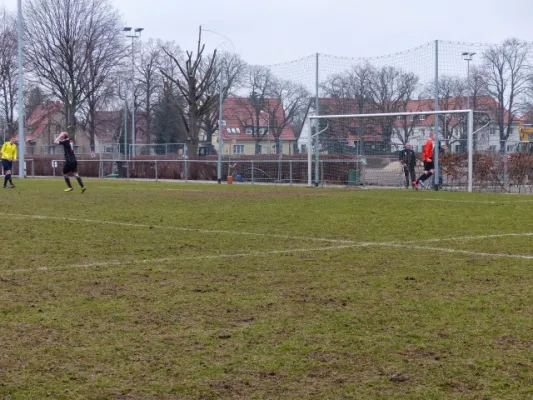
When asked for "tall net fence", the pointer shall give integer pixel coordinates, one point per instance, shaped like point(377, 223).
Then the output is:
point(272, 143)
point(440, 75)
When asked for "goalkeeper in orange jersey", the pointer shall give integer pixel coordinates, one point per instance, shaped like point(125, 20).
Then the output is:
point(9, 154)
point(429, 164)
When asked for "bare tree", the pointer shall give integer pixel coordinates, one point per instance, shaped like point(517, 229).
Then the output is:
point(390, 91)
point(33, 97)
point(72, 47)
point(288, 101)
point(404, 127)
point(149, 85)
point(505, 75)
point(194, 83)
point(453, 91)
point(253, 109)
point(231, 71)
point(8, 70)
point(346, 93)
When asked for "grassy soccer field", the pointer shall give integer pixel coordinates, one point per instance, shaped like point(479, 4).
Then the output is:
point(172, 291)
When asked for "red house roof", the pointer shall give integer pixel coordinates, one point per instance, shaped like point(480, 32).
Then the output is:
point(240, 114)
point(40, 118)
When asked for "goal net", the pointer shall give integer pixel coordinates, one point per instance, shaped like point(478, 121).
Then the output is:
point(364, 149)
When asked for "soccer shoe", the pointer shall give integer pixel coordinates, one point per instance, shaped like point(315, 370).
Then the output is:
point(68, 190)
point(12, 187)
point(83, 189)
point(416, 186)
point(421, 184)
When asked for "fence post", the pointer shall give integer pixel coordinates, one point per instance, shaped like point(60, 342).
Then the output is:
point(290, 172)
point(322, 174)
point(156, 170)
point(186, 170)
point(33, 168)
point(252, 171)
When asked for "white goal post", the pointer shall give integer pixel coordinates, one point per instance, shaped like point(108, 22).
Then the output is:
point(470, 135)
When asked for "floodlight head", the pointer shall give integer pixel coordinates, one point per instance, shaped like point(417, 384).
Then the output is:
point(139, 30)
point(464, 53)
point(127, 29)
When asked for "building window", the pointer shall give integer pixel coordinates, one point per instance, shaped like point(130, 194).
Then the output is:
point(58, 129)
point(237, 130)
point(422, 117)
point(399, 117)
point(249, 130)
point(411, 118)
point(238, 149)
point(493, 129)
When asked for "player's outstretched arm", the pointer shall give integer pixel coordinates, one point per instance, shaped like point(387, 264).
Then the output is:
point(61, 137)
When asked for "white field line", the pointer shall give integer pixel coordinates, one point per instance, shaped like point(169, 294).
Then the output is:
point(177, 228)
point(456, 251)
point(347, 244)
point(268, 253)
point(165, 190)
point(207, 257)
point(493, 236)
point(272, 235)
point(445, 200)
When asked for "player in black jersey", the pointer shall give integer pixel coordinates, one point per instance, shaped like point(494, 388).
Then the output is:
point(70, 168)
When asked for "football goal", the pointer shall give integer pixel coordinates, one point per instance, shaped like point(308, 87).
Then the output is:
point(365, 148)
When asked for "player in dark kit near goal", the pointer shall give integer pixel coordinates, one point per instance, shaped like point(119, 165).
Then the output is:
point(407, 158)
point(70, 168)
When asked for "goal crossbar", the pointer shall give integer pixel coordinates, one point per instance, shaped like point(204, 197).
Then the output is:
point(470, 134)
point(392, 114)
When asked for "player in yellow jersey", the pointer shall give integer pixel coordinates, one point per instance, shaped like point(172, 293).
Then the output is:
point(9, 154)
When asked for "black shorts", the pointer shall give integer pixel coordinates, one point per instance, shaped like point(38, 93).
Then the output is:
point(69, 167)
point(429, 165)
point(7, 165)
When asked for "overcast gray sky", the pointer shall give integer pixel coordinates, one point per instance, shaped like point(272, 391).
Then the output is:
point(274, 31)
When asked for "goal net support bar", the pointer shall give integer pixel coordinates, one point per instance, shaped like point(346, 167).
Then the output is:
point(470, 136)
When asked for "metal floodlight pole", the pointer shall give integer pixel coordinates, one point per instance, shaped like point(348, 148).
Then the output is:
point(468, 57)
point(125, 127)
point(317, 106)
point(135, 35)
point(22, 139)
point(220, 123)
point(470, 149)
point(309, 155)
point(436, 125)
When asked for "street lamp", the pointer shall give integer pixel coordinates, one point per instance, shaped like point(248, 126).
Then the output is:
point(20, 95)
point(133, 34)
point(468, 57)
